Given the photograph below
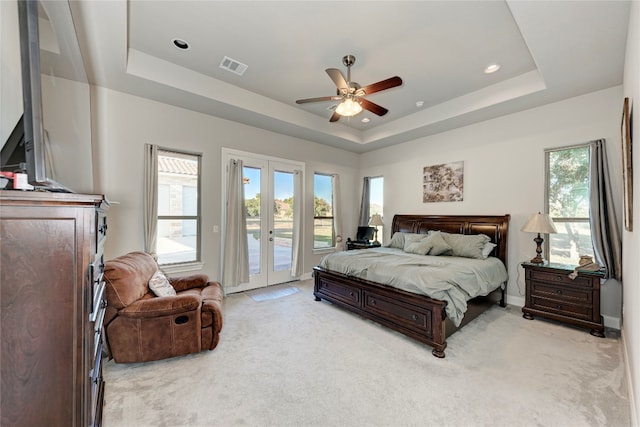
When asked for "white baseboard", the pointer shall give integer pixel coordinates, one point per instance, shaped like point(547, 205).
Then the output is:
point(517, 301)
point(627, 368)
point(611, 322)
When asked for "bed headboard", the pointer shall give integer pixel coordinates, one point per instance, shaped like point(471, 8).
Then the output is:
point(496, 227)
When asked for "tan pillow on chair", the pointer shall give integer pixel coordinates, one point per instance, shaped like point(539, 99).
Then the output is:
point(160, 286)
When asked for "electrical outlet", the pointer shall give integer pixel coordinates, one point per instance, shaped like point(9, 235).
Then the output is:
point(215, 228)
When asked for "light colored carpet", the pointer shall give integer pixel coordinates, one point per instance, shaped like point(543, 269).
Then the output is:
point(292, 361)
point(272, 292)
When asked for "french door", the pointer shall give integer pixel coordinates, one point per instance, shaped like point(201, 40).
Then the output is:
point(269, 198)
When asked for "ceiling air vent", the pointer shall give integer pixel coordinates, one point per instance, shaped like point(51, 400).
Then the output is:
point(234, 66)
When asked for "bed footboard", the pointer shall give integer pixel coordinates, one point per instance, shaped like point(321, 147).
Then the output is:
point(416, 316)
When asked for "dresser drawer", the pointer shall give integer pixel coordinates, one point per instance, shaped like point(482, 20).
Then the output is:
point(564, 308)
point(340, 291)
point(101, 229)
point(97, 391)
point(405, 315)
point(576, 294)
point(552, 277)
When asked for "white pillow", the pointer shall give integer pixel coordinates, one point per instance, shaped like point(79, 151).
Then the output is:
point(160, 286)
point(488, 247)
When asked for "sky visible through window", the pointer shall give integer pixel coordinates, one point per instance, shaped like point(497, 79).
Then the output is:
point(322, 187)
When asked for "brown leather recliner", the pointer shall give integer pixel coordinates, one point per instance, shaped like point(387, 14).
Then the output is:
point(141, 327)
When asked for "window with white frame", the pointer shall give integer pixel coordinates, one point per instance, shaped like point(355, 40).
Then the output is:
point(567, 188)
point(323, 232)
point(178, 237)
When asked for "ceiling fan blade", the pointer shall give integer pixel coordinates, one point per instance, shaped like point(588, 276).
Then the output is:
point(337, 77)
point(323, 98)
point(374, 108)
point(382, 85)
point(334, 117)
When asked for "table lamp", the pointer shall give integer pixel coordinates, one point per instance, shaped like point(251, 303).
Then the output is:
point(375, 221)
point(539, 223)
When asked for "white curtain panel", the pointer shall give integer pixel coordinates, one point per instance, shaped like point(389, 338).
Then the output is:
point(150, 202)
point(296, 250)
point(364, 204)
point(337, 212)
point(235, 266)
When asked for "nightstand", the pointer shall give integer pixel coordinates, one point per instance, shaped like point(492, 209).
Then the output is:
point(552, 294)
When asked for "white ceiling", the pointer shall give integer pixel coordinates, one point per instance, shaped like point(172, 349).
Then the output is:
point(548, 51)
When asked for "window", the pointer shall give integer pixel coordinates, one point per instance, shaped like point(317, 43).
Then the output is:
point(567, 172)
point(178, 238)
point(323, 236)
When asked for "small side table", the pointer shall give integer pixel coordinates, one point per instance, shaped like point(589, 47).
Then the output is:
point(552, 294)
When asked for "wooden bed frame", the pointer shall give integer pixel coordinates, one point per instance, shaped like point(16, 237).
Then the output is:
point(416, 316)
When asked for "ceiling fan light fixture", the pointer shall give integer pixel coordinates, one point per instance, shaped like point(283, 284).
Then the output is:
point(348, 108)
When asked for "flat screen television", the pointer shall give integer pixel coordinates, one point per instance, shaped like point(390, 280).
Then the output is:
point(51, 140)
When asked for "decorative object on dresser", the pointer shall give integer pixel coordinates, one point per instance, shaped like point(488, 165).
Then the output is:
point(415, 315)
point(552, 294)
point(144, 322)
point(539, 223)
point(52, 308)
point(376, 221)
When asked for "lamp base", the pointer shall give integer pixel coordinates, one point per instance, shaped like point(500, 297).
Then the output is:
point(538, 259)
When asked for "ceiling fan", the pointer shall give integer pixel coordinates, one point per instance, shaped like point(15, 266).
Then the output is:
point(351, 94)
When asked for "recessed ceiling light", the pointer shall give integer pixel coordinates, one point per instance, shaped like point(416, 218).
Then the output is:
point(419, 104)
point(180, 44)
point(365, 120)
point(492, 68)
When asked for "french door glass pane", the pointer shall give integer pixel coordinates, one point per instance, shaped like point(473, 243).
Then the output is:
point(572, 240)
point(177, 240)
point(282, 220)
point(252, 181)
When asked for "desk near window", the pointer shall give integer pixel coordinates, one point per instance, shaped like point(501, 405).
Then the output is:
point(363, 239)
point(353, 244)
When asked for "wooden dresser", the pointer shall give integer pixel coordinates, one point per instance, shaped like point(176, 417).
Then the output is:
point(52, 304)
point(551, 293)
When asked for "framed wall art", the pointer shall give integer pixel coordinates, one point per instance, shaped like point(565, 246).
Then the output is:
point(443, 183)
point(627, 164)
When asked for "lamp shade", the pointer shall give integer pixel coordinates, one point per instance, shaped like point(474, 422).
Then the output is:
point(376, 220)
point(539, 223)
point(348, 107)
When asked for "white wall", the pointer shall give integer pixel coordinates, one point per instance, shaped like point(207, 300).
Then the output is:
point(503, 171)
point(631, 240)
point(124, 123)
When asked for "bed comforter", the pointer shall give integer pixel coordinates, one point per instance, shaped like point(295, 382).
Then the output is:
point(447, 278)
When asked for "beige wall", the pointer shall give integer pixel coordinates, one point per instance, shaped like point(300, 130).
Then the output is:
point(124, 123)
point(631, 240)
point(504, 171)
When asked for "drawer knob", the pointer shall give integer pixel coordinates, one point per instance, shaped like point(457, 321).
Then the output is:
point(414, 316)
point(558, 279)
point(559, 291)
point(350, 294)
point(372, 302)
point(559, 307)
